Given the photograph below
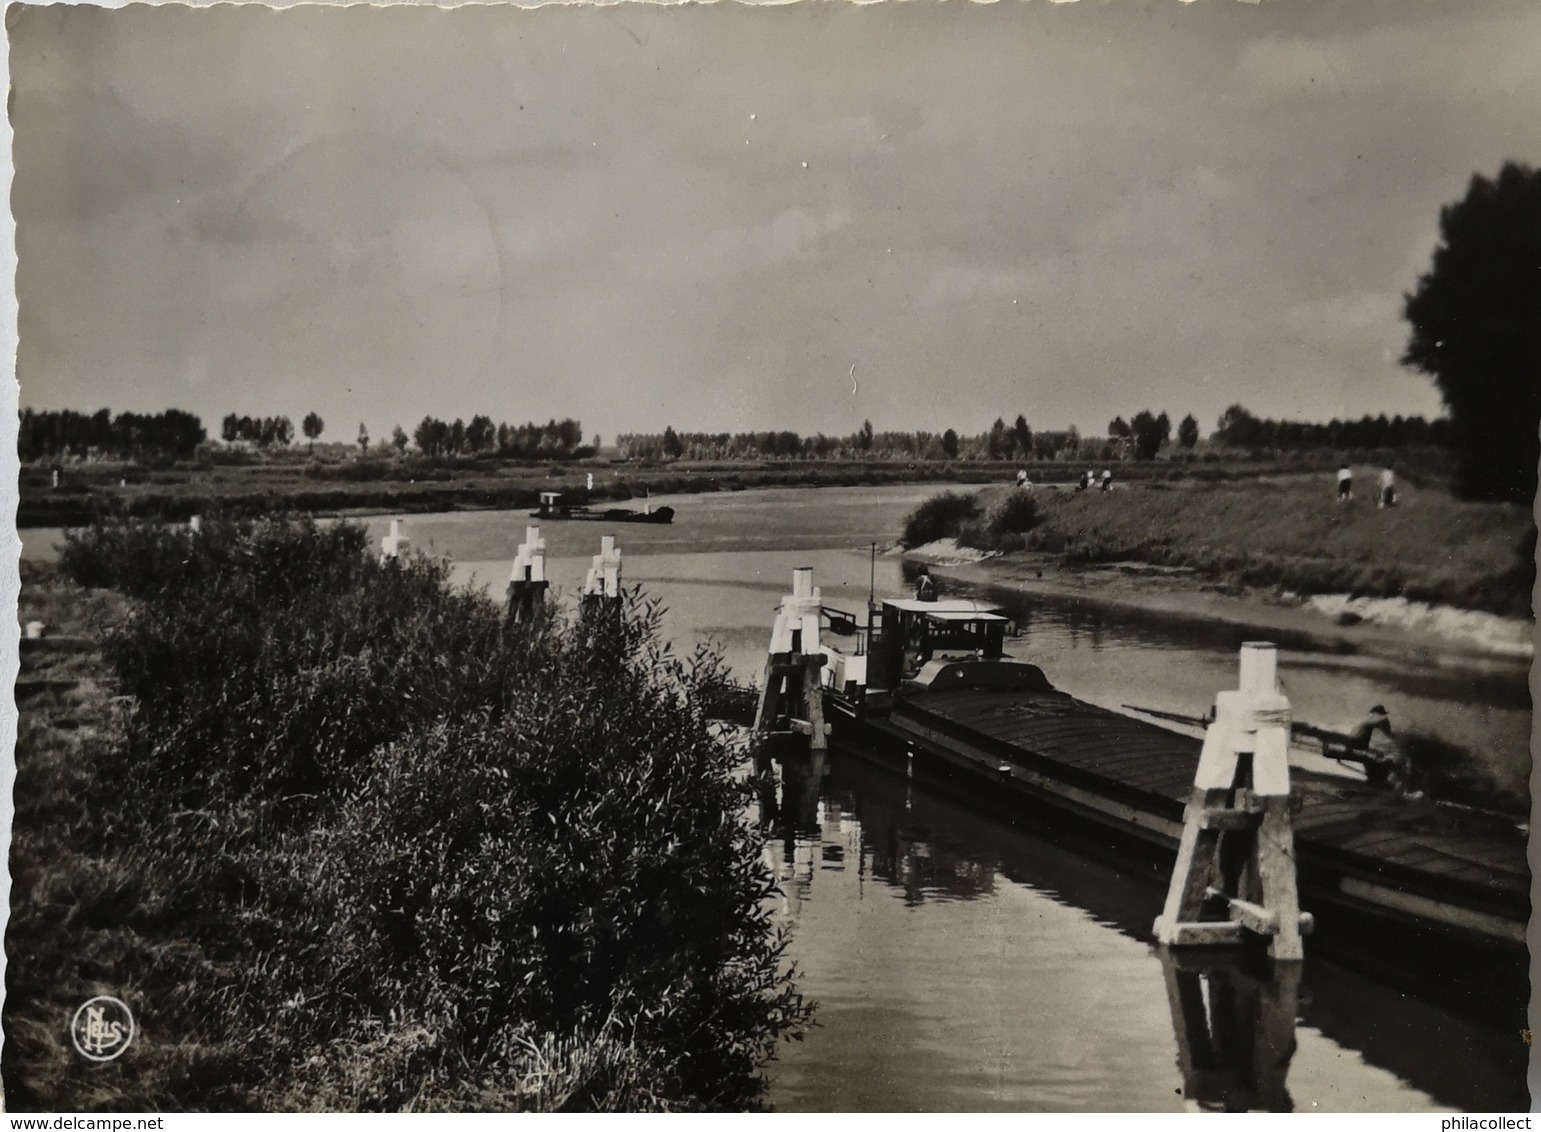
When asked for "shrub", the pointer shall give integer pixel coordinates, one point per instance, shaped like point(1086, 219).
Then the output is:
point(447, 860)
point(941, 516)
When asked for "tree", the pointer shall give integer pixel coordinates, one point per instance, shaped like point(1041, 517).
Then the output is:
point(312, 426)
point(230, 428)
point(1118, 428)
point(426, 436)
point(481, 433)
point(1150, 433)
point(399, 439)
point(1475, 321)
point(864, 437)
point(1237, 426)
point(1022, 436)
point(997, 445)
point(1188, 432)
point(363, 438)
point(672, 447)
point(950, 444)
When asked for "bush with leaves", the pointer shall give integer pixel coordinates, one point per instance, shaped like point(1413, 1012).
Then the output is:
point(941, 516)
point(364, 843)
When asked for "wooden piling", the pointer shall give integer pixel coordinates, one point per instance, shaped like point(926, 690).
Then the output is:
point(789, 720)
point(1235, 869)
point(395, 544)
point(527, 581)
point(602, 584)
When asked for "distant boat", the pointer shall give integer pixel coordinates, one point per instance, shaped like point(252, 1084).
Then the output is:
point(553, 507)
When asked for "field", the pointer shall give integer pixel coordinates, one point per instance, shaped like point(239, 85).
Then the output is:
point(1285, 532)
point(249, 484)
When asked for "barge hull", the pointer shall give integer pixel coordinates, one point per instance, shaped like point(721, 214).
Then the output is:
point(1403, 866)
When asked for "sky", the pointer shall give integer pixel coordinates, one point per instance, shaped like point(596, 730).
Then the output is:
point(707, 216)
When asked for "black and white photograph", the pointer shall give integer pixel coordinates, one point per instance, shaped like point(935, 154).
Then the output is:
point(816, 557)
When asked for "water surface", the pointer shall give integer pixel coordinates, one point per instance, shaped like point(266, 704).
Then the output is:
point(960, 963)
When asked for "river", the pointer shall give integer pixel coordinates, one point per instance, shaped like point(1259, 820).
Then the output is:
point(962, 963)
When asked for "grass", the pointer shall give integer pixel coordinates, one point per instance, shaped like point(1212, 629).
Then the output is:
point(346, 838)
point(1283, 533)
point(291, 483)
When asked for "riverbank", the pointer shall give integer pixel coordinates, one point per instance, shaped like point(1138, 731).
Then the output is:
point(1284, 535)
point(289, 483)
point(1421, 632)
point(258, 768)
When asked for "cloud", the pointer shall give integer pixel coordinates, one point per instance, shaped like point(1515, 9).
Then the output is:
point(1461, 53)
point(1350, 319)
point(791, 237)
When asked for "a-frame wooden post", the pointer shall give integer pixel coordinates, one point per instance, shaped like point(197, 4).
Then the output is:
point(602, 583)
point(527, 583)
point(792, 694)
point(1235, 867)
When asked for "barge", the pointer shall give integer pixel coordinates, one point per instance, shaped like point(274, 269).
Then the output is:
point(553, 506)
point(930, 682)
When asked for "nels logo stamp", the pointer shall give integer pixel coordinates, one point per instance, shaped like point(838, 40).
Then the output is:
point(102, 1028)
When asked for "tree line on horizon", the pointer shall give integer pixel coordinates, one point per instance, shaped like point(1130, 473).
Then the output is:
point(59, 433)
point(1240, 429)
point(177, 435)
point(556, 439)
point(1142, 437)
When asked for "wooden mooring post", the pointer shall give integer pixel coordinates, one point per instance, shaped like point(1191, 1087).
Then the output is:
point(1235, 868)
point(527, 582)
point(790, 717)
point(602, 584)
point(395, 544)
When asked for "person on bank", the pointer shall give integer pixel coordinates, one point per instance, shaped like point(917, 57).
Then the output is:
point(925, 586)
point(1345, 483)
point(1107, 479)
point(1388, 489)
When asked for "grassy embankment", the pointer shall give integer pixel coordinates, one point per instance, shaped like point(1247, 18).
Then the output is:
point(1291, 535)
point(290, 483)
point(343, 838)
point(1287, 534)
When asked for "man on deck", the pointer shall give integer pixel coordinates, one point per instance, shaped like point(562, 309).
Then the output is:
point(925, 586)
point(1381, 768)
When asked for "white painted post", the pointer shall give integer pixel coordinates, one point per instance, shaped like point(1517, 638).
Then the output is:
point(527, 582)
point(792, 698)
point(195, 524)
point(604, 577)
point(530, 561)
point(1240, 798)
point(395, 544)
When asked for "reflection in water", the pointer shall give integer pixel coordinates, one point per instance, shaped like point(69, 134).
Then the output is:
point(962, 963)
point(965, 963)
point(1235, 1028)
